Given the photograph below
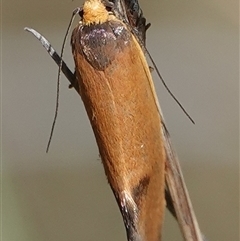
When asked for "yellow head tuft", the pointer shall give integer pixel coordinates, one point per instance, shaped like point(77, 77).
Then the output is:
point(94, 12)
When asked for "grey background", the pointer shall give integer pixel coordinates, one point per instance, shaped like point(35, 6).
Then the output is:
point(64, 195)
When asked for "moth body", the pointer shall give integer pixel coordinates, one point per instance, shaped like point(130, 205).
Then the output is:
point(117, 91)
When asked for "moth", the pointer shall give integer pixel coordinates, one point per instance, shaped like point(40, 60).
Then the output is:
point(114, 81)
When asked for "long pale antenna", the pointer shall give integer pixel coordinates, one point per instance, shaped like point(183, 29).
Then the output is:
point(75, 12)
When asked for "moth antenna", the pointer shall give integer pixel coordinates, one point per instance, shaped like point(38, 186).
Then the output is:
point(142, 43)
point(75, 12)
point(165, 84)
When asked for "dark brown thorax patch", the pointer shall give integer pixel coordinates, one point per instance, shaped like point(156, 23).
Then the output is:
point(101, 43)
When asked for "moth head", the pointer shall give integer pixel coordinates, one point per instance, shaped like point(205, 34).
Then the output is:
point(94, 12)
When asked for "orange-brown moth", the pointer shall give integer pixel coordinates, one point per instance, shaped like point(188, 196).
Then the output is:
point(122, 108)
point(113, 79)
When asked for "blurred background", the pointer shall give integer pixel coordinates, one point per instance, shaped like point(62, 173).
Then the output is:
point(64, 195)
